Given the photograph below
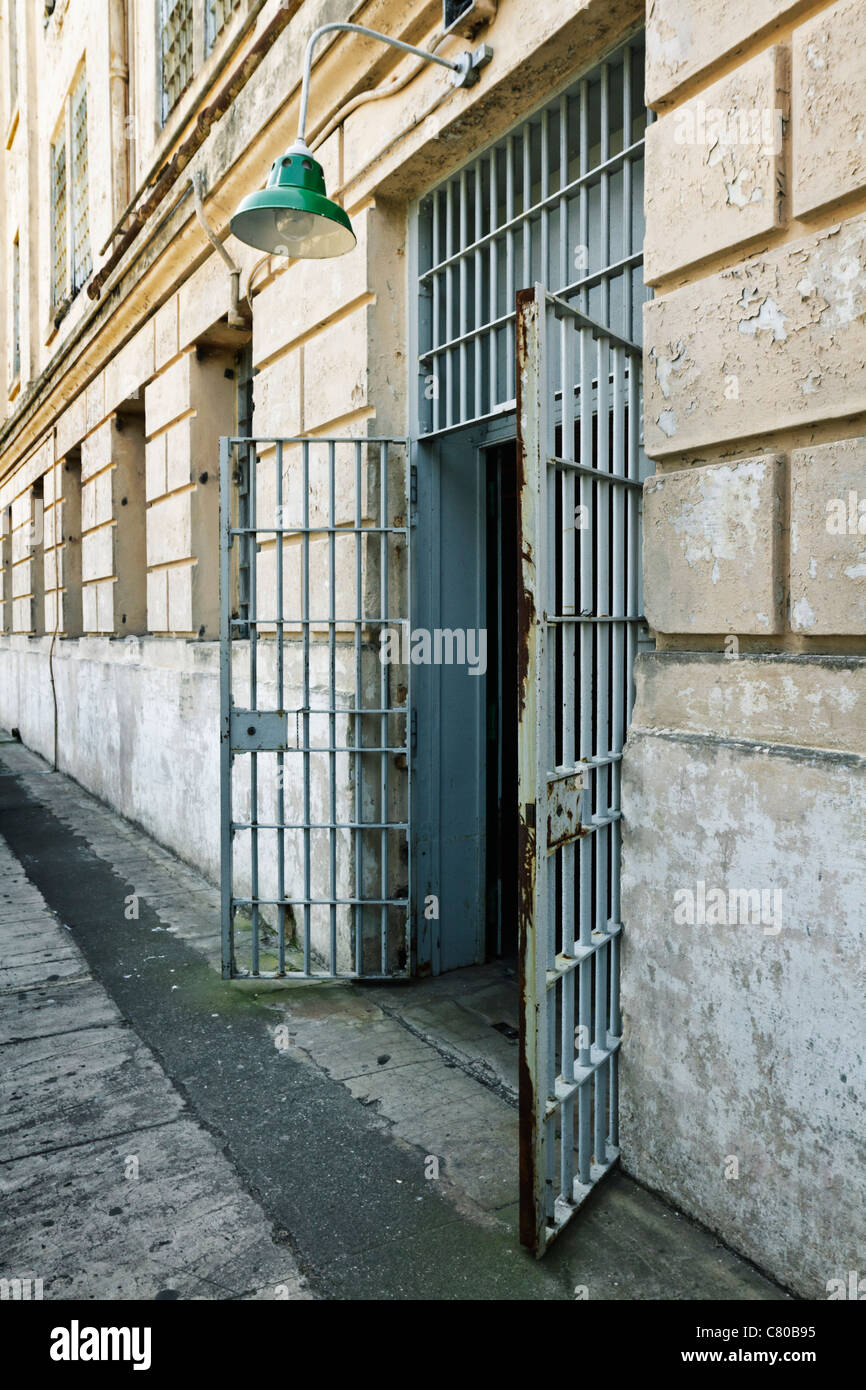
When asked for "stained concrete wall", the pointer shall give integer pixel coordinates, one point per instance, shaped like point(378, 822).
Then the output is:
point(743, 1072)
point(744, 775)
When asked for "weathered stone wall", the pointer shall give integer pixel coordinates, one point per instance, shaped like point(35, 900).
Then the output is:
point(745, 772)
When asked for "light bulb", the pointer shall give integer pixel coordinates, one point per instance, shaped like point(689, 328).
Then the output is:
point(295, 226)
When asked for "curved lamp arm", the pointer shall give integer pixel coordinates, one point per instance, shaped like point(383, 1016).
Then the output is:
point(465, 68)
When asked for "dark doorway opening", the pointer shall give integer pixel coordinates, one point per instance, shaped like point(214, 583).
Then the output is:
point(501, 772)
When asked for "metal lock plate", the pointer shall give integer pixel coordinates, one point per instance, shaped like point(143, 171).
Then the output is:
point(259, 730)
point(564, 791)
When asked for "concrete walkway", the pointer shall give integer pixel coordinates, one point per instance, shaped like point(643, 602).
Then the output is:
point(166, 1134)
point(111, 1188)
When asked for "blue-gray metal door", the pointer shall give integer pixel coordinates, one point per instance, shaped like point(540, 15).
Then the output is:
point(315, 706)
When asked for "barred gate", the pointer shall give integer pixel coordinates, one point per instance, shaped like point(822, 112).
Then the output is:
point(580, 467)
point(314, 720)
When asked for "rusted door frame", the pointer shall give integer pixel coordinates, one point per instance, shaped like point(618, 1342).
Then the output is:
point(530, 650)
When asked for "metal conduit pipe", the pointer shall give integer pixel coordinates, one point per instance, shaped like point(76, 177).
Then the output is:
point(154, 169)
point(202, 128)
point(236, 319)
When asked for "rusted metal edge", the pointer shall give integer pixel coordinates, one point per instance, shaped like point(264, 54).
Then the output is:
point(526, 336)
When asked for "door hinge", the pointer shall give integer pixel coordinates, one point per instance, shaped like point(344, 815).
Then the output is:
point(413, 731)
point(413, 491)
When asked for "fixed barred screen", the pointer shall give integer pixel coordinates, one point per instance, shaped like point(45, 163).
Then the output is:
point(217, 15)
point(59, 223)
point(81, 261)
point(559, 201)
point(177, 51)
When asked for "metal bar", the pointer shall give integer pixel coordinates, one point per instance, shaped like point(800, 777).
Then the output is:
point(266, 439)
point(373, 621)
point(325, 902)
point(281, 794)
point(478, 287)
point(500, 628)
point(563, 308)
point(359, 727)
point(493, 307)
point(437, 290)
point(514, 220)
point(550, 866)
point(602, 653)
point(546, 201)
point(565, 250)
point(332, 718)
point(449, 304)
point(510, 288)
point(346, 709)
point(225, 665)
point(305, 715)
point(464, 306)
point(585, 745)
point(588, 470)
point(322, 825)
point(392, 748)
point(253, 679)
point(526, 199)
point(383, 701)
point(568, 751)
point(315, 530)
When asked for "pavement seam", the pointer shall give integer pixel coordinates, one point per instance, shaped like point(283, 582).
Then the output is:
point(477, 1070)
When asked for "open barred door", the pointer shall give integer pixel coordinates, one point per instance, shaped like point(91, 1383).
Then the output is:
point(580, 466)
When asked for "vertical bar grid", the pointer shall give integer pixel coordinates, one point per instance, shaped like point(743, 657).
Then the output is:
point(310, 799)
point(547, 214)
point(59, 227)
point(81, 260)
point(582, 608)
point(176, 49)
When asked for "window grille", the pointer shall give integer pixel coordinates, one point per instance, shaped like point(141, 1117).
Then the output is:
point(559, 200)
point(217, 16)
point(177, 51)
point(59, 226)
point(81, 261)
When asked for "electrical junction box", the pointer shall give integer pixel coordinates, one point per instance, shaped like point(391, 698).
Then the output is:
point(467, 16)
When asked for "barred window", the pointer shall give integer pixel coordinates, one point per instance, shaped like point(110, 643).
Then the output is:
point(16, 309)
point(71, 260)
point(59, 221)
point(217, 15)
point(177, 51)
point(81, 262)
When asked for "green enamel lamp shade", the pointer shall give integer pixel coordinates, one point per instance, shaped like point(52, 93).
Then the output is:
point(292, 216)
